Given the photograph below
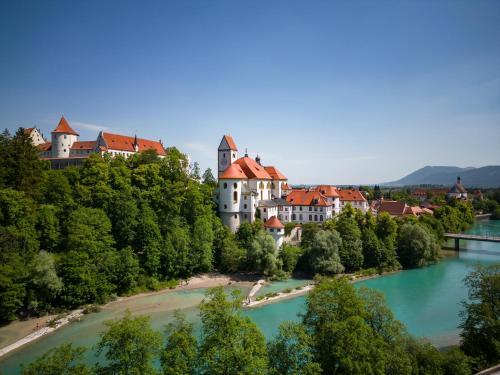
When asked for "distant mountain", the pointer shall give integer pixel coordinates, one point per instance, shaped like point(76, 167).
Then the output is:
point(488, 176)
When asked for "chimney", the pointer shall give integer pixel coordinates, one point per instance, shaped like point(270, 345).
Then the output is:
point(458, 180)
point(257, 159)
point(246, 152)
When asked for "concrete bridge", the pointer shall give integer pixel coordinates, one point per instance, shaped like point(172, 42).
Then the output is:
point(471, 237)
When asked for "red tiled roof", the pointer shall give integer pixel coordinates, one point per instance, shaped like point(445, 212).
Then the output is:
point(63, 127)
point(328, 191)
point(84, 145)
point(252, 169)
point(126, 143)
point(393, 208)
point(233, 172)
point(285, 186)
point(350, 195)
point(28, 130)
point(274, 222)
point(44, 146)
point(302, 197)
point(275, 173)
point(230, 142)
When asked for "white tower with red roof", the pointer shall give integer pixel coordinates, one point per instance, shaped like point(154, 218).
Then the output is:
point(63, 137)
point(228, 153)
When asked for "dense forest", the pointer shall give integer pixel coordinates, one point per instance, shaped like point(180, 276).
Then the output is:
point(344, 330)
point(119, 226)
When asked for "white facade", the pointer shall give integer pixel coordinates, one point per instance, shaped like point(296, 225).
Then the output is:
point(311, 214)
point(36, 136)
point(360, 205)
point(226, 156)
point(61, 144)
point(278, 235)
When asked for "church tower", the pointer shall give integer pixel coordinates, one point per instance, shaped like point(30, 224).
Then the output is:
point(63, 137)
point(228, 153)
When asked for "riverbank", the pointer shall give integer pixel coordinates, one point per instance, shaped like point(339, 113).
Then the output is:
point(296, 292)
point(53, 325)
point(19, 333)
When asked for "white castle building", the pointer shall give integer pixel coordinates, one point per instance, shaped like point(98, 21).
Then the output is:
point(247, 191)
point(65, 149)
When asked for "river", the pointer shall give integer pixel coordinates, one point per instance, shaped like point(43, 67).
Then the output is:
point(426, 300)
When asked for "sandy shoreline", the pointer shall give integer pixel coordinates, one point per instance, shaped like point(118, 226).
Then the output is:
point(19, 333)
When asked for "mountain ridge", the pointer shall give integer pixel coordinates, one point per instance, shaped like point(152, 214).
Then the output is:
point(487, 176)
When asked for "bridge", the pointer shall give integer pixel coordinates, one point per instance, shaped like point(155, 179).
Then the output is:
point(470, 237)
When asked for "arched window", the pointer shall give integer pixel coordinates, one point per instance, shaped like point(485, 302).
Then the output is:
point(235, 196)
point(235, 185)
point(225, 185)
point(269, 185)
point(310, 217)
point(261, 185)
point(293, 216)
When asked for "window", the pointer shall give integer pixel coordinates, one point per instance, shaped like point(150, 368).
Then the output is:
point(300, 208)
point(269, 185)
point(320, 217)
point(315, 217)
point(300, 217)
point(64, 150)
point(310, 208)
point(272, 230)
point(235, 196)
point(315, 209)
point(224, 155)
point(235, 216)
point(234, 155)
point(246, 216)
point(321, 209)
point(245, 206)
point(225, 206)
point(265, 209)
point(245, 197)
point(225, 185)
point(310, 217)
point(64, 136)
point(265, 220)
point(293, 216)
point(235, 185)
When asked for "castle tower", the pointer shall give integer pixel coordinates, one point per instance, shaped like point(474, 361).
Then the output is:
point(63, 137)
point(228, 153)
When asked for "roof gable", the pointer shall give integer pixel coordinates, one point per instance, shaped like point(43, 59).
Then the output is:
point(274, 222)
point(252, 170)
point(63, 127)
point(234, 171)
point(227, 143)
point(302, 197)
point(275, 173)
point(126, 143)
point(351, 195)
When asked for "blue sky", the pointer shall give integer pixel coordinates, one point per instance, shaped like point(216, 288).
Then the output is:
point(328, 91)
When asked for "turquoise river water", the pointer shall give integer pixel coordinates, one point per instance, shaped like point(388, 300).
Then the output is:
point(426, 300)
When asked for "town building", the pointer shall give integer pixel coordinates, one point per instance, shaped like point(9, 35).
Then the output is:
point(276, 229)
point(423, 194)
point(397, 209)
point(309, 206)
point(354, 198)
point(246, 189)
point(332, 195)
point(65, 149)
point(457, 191)
point(36, 135)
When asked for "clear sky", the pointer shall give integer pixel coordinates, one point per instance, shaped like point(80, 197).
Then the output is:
point(328, 91)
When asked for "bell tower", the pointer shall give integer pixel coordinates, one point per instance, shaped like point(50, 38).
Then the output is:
point(228, 153)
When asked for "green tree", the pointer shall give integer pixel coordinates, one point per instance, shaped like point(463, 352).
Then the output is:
point(323, 253)
point(416, 246)
point(179, 354)
point(208, 178)
point(63, 360)
point(351, 250)
point(230, 343)
point(229, 255)
point(48, 227)
point(480, 319)
point(129, 345)
point(148, 240)
point(44, 284)
point(291, 351)
point(289, 256)
point(127, 270)
point(262, 256)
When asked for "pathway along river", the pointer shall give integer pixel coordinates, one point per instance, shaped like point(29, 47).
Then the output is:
point(426, 300)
